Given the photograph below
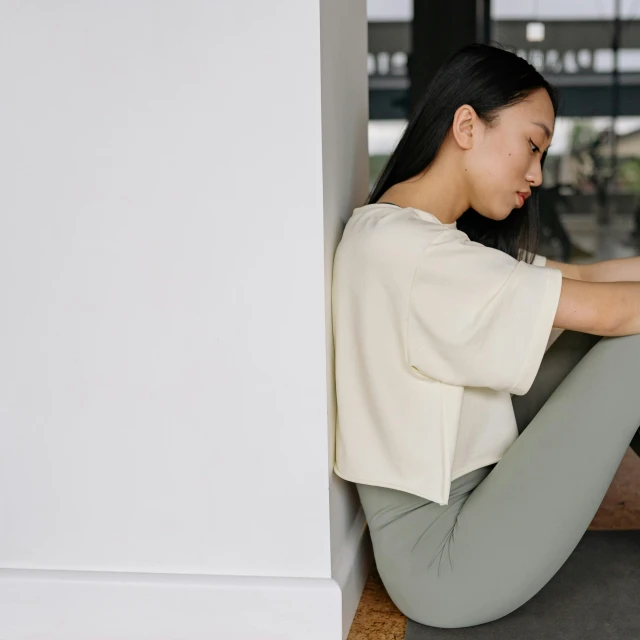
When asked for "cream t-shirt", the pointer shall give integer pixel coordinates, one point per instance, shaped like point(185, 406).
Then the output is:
point(433, 332)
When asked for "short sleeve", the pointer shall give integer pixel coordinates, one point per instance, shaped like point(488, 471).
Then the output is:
point(478, 317)
point(541, 261)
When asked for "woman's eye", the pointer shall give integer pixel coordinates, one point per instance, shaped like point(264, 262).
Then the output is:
point(533, 146)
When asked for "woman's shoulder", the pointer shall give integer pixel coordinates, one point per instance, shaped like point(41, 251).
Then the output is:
point(389, 221)
point(384, 239)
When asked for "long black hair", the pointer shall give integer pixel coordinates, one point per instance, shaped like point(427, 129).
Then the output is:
point(488, 78)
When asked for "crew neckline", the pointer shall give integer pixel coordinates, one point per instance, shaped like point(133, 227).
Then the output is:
point(420, 212)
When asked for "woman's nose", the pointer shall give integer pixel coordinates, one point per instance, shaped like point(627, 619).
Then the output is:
point(534, 176)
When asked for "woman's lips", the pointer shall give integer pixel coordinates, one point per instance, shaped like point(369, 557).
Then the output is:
point(522, 197)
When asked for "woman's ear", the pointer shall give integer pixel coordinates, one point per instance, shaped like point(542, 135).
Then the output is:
point(465, 120)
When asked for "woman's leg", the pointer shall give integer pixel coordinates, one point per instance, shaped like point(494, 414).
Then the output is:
point(563, 355)
point(508, 528)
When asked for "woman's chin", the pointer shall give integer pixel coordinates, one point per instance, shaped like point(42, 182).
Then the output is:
point(498, 215)
point(505, 214)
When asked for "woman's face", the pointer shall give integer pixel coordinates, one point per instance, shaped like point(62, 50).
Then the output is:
point(504, 161)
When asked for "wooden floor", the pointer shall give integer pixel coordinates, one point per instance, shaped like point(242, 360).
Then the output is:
point(377, 617)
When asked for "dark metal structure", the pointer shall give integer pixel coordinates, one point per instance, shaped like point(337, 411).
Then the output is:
point(570, 57)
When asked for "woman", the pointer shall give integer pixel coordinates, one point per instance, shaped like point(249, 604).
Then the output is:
point(443, 311)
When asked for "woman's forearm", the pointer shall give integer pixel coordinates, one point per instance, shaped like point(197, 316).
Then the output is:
point(617, 270)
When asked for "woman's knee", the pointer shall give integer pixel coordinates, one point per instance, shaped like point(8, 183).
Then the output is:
point(439, 608)
point(447, 608)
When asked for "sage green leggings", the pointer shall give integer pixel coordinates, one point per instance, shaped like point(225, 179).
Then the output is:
point(510, 526)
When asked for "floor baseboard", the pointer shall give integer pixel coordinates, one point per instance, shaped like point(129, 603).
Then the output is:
point(76, 605)
point(353, 569)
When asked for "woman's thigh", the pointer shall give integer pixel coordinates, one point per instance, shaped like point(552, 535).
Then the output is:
point(509, 528)
point(410, 537)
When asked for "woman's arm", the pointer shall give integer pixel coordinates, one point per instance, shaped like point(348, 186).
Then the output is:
point(617, 270)
point(600, 308)
point(571, 271)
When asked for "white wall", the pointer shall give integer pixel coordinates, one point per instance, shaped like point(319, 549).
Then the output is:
point(345, 114)
point(164, 276)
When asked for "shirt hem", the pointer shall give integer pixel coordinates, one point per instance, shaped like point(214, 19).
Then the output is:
point(474, 466)
point(386, 485)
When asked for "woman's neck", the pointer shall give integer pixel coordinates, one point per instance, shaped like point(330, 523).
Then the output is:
point(439, 191)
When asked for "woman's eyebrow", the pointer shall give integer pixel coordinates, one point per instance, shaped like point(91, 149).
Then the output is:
point(544, 127)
